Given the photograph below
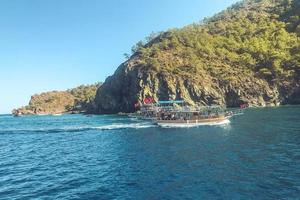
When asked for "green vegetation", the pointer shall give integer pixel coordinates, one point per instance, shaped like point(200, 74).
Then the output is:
point(84, 96)
point(50, 102)
point(249, 53)
point(79, 99)
point(258, 37)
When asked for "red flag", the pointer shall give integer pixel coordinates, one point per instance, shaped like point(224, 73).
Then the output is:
point(148, 100)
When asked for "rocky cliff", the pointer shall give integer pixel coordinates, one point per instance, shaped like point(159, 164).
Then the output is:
point(249, 53)
point(79, 99)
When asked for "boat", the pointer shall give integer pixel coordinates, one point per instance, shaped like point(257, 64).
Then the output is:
point(193, 122)
point(177, 113)
point(193, 116)
point(147, 111)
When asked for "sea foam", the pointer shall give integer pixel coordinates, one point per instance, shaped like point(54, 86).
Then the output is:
point(113, 126)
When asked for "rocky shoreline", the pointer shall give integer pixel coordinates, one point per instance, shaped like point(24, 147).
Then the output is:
point(76, 100)
point(247, 54)
point(134, 86)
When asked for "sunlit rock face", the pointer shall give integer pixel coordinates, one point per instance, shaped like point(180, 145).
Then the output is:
point(246, 54)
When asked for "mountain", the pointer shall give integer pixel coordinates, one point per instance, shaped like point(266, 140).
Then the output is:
point(249, 53)
point(79, 99)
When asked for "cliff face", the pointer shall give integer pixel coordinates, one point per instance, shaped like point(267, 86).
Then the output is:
point(130, 84)
point(246, 54)
point(79, 99)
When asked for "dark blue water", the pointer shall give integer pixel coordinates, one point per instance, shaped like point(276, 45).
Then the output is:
point(256, 156)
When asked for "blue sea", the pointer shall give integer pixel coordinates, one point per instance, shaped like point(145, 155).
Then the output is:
point(255, 156)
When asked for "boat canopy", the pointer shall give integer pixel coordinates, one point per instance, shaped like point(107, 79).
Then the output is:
point(170, 102)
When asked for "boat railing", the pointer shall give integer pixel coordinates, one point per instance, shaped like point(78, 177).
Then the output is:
point(177, 108)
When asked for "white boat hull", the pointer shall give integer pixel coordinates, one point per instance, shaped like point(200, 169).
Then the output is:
point(191, 123)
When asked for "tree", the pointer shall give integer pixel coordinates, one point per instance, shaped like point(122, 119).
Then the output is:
point(137, 47)
point(126, 55)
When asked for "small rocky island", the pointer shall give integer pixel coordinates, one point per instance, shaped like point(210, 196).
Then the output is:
point(76, 100)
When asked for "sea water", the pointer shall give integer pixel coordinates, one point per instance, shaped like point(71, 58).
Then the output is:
point(255, 156)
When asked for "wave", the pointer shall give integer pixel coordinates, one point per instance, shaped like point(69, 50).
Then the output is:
point(113, 126)
point(80, 129)
point(125, 126)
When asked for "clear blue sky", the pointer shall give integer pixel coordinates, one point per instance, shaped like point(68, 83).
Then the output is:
point(59, 44)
